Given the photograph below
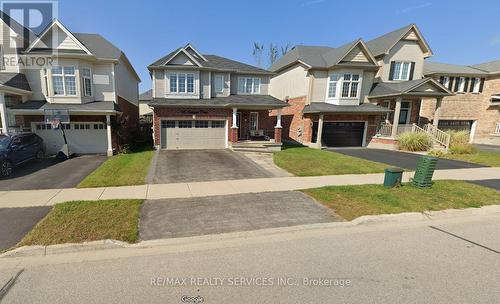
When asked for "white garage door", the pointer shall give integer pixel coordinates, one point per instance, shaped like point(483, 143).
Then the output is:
point(193, 134)
point(82, 137)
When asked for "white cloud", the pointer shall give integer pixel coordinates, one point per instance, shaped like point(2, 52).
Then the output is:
point(415, 7)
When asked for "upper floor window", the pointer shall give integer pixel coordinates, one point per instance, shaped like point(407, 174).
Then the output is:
point(445, 81)
point(182, 83)
point(401, 70)
point(87, 82)
point(475, 86)
point(63, 81)
point(249, 85)
point(344, 85)
point(461, 84)
point(219, 83)
point(332, 85)
point(350, 85)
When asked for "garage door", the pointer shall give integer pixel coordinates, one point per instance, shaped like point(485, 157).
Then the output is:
point(455, 125)
point(193, 134)
point(341, 134)
point(87, 137)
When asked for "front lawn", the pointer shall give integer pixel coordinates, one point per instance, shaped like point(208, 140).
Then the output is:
point(120, 170)
point(486, 158)
point(304, 161)
point(351, 202)
point(84, 221)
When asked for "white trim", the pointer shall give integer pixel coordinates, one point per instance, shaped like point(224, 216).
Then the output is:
point(153, 86)
point(186, 53)
point(227, 133)
point(472, 132)
point(63, 75)
point(114, 82)
point(174, 118)
point(402, 62)
point(209, 85)
point(189, 45)
point(108, 135)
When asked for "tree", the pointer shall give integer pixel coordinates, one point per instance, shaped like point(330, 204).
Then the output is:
point(273, 52)
point(258, 49)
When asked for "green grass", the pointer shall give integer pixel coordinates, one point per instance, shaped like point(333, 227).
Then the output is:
point(84, 221)
point(120, 170)
point(351, 202)
point(304, 161)
point(486, 158)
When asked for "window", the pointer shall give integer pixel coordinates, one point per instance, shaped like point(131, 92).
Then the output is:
point(218, 124)
point(350, 85)
point(185, 124)
point(248, 85)
point(182, 83)
point(168, 124)
point(445, 81)
point(475, 85)
point(461, 84)
point(201, 124)
point(87, 82)
point(401, 70)
point(46, 82)
point(332, 85)
point(219, 83)
point(63, 80)
point(99, 126)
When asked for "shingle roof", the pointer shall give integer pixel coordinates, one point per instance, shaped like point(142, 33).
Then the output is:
point(445, 68)
point(15, 80)
point(384, 43)
point(223, 102)
point(314, 56)
point(380, 89)
point(146, 96)
point(99, 46)
point(322, 107)
point(96, 106)
point(491, 67)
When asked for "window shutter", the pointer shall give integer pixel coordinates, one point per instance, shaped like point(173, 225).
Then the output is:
point(450, 84)
point(412, 70)
point(472, 84)
point(391, 71)
point(457, 82)
point(466, 85)
point(481, 86)
point(441, 80)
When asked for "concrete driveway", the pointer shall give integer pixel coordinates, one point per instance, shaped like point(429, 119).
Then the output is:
point(401, 159)
point(51, 173)
point(203, 165)
point(229, 213)
point(16, 222)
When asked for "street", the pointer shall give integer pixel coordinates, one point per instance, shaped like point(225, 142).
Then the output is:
point(450, 260)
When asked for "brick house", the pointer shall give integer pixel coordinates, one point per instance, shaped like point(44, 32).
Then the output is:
point(358, 94)
point(84, 74)
point(209, 102)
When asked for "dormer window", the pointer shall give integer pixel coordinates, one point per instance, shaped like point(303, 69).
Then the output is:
point(401, 70)
point(63, 81)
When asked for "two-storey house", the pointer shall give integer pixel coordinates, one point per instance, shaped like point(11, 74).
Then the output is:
point(83, 74)
point(475, 104)
point(209, 102)
point(358, 94)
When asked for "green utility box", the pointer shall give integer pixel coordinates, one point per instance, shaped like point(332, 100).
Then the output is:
point(425, 169)
point(393, 177)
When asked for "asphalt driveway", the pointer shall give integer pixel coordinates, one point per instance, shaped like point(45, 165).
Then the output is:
point(490, 183)
point(204, 165)
point(401, 159)
point(51, 173)
point(229, 213)
point(16, 222)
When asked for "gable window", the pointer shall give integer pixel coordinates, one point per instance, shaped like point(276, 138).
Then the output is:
point(332, 85)
point(350, 85)
point(63, 81)
point(219, 83)
point(87, 82)
point(249, 85)
point(401, 70)
point(182, 83)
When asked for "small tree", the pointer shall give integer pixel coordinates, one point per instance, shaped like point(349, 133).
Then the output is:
point(274, 52)
point(258, 49)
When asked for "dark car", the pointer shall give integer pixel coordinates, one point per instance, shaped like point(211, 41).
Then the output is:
point(18, 149)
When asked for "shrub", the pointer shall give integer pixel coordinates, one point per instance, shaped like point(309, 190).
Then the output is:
point(459, 138)
point(436, 153)
point(462, 149)
point(414, 141)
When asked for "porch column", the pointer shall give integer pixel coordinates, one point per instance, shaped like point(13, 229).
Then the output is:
point(320, 130)
point(3, 113)
point(108, 132)
point(234, 127)
point(278, 128)
point(395, 122)
point(437, 112)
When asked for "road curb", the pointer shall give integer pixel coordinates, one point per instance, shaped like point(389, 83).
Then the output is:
point(367, 220)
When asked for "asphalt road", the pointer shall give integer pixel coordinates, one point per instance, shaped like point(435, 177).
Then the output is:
point(458, 262)
point(401, 159)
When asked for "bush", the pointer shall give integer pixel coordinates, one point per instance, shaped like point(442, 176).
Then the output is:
point(414, 141)
point(462, 149)
point(459, 138)
point(436, 153)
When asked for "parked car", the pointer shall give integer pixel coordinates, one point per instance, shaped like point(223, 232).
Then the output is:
point(18, 149)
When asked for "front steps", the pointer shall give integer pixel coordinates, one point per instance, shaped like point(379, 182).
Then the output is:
point(256, 146)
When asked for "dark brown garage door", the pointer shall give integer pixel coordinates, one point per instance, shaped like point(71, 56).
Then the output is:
point(341, 134)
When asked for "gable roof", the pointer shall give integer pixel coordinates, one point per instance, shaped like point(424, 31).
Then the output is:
point(27, 35)
point(445, 68)
point(146, 96)
point(383, 44)
point(320, 56)
point(210, 62)
point(383, 89)
point(99, 46)
point(490, 67)
point(15, 80)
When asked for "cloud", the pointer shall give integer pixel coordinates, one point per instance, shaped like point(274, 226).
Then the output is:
point(495, 40)
point(311, 2)
point(415, 7)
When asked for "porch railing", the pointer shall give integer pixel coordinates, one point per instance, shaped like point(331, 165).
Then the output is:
point(439, 136)
point(384, 130)
point(442, 138)
point(497, 128)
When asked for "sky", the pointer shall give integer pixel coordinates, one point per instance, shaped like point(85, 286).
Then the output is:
point(459, 32)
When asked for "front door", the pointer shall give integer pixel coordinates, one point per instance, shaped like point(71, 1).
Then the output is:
point(404, 114)
point(254, 121)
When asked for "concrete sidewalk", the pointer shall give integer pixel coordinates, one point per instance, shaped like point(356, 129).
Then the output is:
point(199, 189)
